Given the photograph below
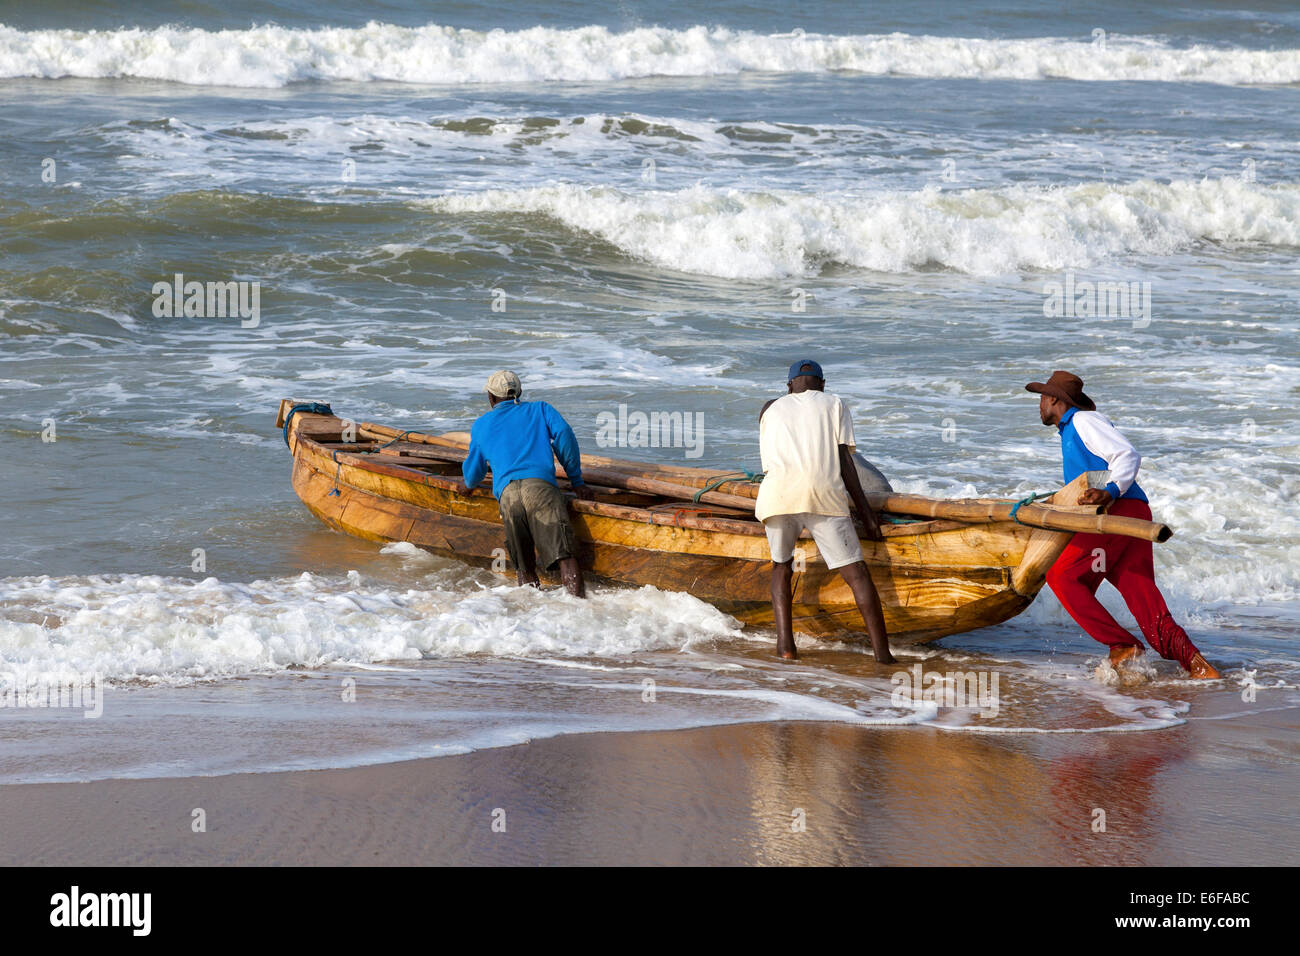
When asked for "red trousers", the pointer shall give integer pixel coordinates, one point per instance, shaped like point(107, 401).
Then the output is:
point(1127, 564)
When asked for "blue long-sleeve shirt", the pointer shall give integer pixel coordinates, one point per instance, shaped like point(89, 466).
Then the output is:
point(516, 440)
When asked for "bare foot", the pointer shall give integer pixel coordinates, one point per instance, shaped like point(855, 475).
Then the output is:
point(1124, 654)
point(1202, 669)
point(788, 654)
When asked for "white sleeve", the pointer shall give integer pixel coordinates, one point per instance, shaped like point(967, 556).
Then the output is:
point(762, 444)
point(844, 431)
point(1102, 439)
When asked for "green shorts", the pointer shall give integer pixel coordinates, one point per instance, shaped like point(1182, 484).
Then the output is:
point(536, 518)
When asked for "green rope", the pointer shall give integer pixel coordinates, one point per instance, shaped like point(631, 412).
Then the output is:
point(337, 472)
point(715, 483)
point(378, 448)
point(1027, 501)
point(896, 520)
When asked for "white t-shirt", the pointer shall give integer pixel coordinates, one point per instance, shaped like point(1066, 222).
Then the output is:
point(799, 438)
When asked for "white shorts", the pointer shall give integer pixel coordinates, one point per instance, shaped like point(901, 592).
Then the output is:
point(836, 537)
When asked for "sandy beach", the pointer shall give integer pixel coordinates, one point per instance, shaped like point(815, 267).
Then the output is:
point(1208, 792)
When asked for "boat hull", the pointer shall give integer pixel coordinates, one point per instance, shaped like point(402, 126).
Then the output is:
point(935, 578)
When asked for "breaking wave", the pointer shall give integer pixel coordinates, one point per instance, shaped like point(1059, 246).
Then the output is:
point(738, 234)
point(273, 56)
point(173, 631)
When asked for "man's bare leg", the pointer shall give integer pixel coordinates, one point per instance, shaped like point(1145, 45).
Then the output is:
point(781, 611)
point(859, 581)
point(571, 575)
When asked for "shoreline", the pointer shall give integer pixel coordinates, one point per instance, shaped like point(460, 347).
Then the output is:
point(738, 794)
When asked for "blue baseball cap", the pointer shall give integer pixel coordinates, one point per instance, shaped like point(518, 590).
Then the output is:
point(797, 369)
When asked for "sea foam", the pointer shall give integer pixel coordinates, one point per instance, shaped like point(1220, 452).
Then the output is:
point(272, 56)
point(761, 234)
point(176, 631)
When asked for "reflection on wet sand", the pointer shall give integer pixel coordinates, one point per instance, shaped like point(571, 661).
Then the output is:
point(718, 796)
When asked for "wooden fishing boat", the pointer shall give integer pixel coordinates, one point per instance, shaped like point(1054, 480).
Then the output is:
point(944, 568)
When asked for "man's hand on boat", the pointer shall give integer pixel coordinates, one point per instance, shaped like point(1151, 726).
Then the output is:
point(849, 475)
point(870, 525)
point(1096, 496)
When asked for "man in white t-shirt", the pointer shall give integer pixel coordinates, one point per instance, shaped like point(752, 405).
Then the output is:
point(806, 440)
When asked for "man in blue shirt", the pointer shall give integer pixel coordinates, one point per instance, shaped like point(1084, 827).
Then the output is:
point(516, 440)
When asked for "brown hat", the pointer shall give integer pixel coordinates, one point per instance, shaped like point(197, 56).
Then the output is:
point(1067, 387)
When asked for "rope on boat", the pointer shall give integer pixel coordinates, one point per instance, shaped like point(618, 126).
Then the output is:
point(337, 471)
point(1027, 501)
point(379, 448)
point(311, 408)
point(715, 483)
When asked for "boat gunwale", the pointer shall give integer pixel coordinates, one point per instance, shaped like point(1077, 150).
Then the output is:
point(641, 515)
point(988, 575)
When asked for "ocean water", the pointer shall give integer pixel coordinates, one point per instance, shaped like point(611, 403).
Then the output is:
point(657, 206)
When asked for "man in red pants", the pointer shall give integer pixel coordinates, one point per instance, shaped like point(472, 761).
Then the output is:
point(1089, 442)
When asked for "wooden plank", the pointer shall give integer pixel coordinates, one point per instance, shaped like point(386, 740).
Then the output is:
point(1046, 546)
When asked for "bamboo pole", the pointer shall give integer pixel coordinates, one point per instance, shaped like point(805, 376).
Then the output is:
point(971, 511)
point(1088, 520)
point(668, 489)
point(384, 433)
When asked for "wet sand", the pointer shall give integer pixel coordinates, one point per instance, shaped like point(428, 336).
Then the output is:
point(1210, 791)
